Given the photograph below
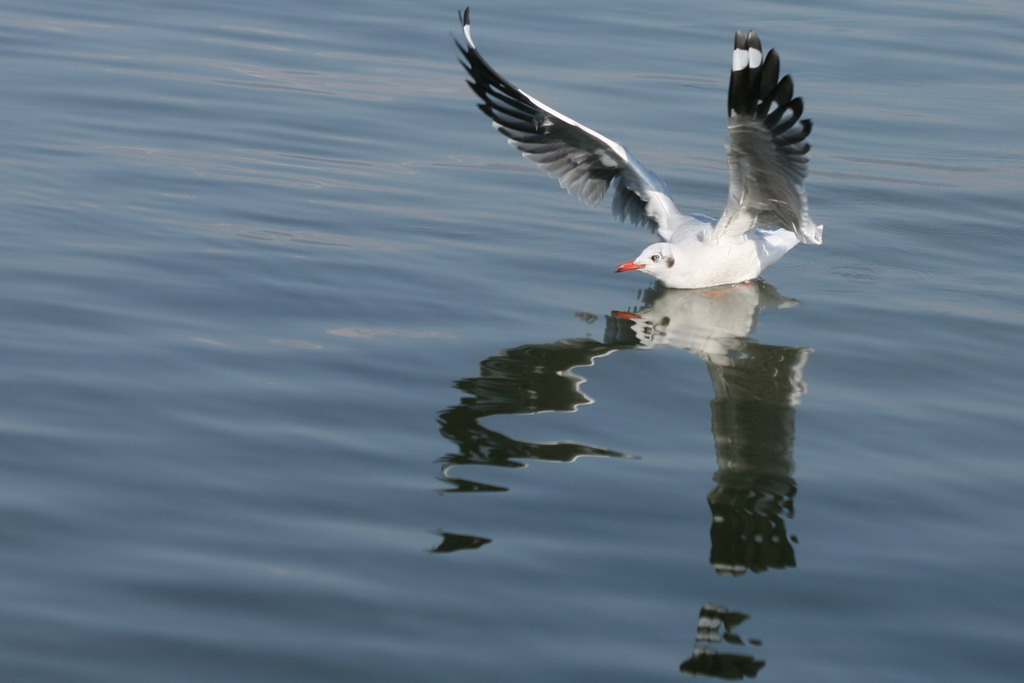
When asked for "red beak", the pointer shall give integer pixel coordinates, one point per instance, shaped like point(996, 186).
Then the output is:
point(628, 265)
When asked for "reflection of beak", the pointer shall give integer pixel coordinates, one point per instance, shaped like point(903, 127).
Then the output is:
point(629, 265)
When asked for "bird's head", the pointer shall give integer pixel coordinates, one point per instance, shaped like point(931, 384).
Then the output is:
point(658, 260)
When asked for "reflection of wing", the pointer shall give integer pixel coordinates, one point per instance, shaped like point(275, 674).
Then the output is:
point(715, 624)
point(756, 393)
point(525, 380)
point(534, 378)
point(753, 422)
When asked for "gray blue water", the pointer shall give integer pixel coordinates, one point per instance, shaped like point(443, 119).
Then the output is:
point(308, 376)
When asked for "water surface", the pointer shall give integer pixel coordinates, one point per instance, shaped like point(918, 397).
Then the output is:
point(310, 377)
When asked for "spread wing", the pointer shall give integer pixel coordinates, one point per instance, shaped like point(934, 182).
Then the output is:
point(583, 161)
point(767, 148)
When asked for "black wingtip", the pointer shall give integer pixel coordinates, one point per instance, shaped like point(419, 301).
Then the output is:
point(746, 73)
point(769, 74)
point(755, 90)
point(753, 40)
point(464, 17)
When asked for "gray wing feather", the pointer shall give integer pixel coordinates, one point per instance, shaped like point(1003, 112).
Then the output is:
point(583, 161)
point(767, 148)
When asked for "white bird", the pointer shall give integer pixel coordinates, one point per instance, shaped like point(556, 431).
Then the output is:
point(766, 214)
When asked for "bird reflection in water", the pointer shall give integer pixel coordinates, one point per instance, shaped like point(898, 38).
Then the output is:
point(756, 390)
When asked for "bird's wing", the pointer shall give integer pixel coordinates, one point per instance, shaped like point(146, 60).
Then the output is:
point(583, 161)
point(767, 148)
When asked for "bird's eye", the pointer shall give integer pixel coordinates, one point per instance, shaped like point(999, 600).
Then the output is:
point(655, 258)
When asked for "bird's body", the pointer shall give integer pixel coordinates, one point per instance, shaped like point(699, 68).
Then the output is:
point(766, 213)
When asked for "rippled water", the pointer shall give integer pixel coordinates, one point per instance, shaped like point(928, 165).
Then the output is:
point(310, 377)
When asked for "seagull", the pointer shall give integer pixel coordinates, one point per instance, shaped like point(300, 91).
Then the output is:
point(766, 214)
